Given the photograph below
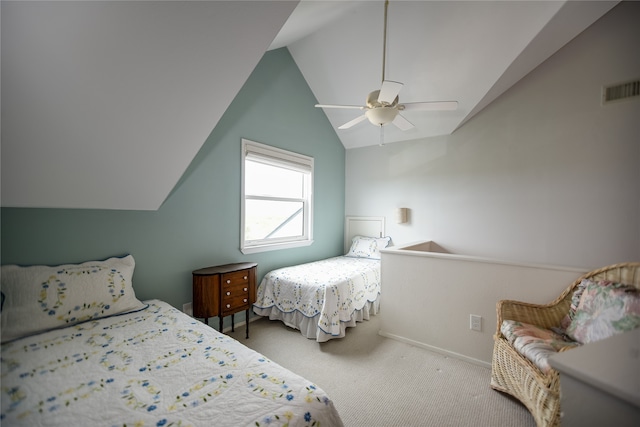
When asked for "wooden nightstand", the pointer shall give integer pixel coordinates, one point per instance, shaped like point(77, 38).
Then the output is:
point(224, 290)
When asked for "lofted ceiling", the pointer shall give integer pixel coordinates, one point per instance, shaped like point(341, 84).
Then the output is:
point(105, 104)
point(465, 51)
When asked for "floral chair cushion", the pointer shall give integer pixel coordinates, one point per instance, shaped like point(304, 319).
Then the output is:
point(535, 343)
point(575, 301)
point(605, 309)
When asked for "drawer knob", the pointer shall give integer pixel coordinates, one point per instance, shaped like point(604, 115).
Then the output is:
point(245, 277)
point(245, 289)
point(228, 305)
point(228, 281)
point(245, 300)
point(228, 293)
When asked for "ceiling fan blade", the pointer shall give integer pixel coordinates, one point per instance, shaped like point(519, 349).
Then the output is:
point(353, 122)
point(389, 91)
point(430, 106)
point(402, 123)
point(359, 107)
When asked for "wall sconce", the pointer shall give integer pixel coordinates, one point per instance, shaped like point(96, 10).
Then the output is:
point(402, 215)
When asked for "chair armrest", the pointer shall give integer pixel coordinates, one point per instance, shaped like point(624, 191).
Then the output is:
point(543, 315)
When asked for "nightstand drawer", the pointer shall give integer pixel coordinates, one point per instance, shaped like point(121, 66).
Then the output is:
point(231, 291)
point(236, 278)
point(234, 304)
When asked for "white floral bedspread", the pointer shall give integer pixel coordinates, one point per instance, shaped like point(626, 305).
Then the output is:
point(332, 288)
point(156, 367)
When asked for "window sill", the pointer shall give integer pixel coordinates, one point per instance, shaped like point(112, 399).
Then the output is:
point(276, 246)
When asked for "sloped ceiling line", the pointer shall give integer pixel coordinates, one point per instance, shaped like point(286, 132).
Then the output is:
point(99, 110)
point(105, 104)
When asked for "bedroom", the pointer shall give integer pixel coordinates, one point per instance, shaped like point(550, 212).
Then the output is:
point(544, 164)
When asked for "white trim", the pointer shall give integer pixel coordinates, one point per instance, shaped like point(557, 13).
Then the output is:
point(405, 250)
point(435, 349)
point(227, 329)
point(278, 157)
point(276, 246)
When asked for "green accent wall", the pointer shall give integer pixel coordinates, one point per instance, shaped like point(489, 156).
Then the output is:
point(198, 225)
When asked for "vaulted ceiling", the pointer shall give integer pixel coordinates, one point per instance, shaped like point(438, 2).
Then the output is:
point(105, 104)
point(465, 51)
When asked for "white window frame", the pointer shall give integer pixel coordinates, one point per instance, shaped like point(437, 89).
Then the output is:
point(288, 159)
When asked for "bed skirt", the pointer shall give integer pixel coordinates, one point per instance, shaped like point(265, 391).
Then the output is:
point(308, 326)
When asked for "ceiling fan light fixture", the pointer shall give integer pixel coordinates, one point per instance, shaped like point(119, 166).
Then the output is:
point(381, 115)
point(383, 106)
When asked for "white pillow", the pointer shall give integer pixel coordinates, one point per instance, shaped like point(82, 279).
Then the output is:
point(367, 247)
point(39, 298)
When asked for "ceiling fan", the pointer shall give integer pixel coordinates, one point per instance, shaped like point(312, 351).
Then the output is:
point(382, 106)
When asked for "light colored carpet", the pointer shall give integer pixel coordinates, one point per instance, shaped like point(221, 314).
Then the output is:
point(377, 381)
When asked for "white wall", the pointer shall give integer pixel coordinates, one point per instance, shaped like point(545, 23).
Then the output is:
point(544, 174)
point(427, 298)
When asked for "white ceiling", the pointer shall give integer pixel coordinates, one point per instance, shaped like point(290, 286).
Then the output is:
point(469, 52)
point(105, 104)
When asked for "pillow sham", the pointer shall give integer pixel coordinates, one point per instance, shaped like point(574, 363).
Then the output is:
point(39, 298)
point(367, 247)
point(605, 309)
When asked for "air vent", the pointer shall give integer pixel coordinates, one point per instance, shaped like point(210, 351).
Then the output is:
point(621, 91)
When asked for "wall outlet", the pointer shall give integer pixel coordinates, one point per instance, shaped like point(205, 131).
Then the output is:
point(475, 322)
point(188, 308)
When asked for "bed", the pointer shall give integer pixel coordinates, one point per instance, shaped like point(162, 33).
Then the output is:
point(323, 298)
point(105, 358)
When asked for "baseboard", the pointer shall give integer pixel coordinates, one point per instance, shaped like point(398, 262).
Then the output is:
point(435, 349)
point(236, 325)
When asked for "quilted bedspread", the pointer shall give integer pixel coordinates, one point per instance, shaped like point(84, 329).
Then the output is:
point(155, 367)
point(332, 289)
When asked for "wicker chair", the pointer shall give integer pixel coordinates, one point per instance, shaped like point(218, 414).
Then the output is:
point(514, 374)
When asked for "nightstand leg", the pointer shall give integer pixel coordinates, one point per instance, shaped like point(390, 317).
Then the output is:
point(221, 324)
point(233, 323)
point(247, 321)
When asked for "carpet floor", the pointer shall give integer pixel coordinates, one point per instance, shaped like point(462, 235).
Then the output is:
point(379, 382)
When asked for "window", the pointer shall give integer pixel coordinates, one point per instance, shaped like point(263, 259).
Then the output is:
point(276, 198)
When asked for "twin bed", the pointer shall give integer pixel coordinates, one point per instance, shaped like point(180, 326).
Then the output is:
point(323, 298)
point(78, 347)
